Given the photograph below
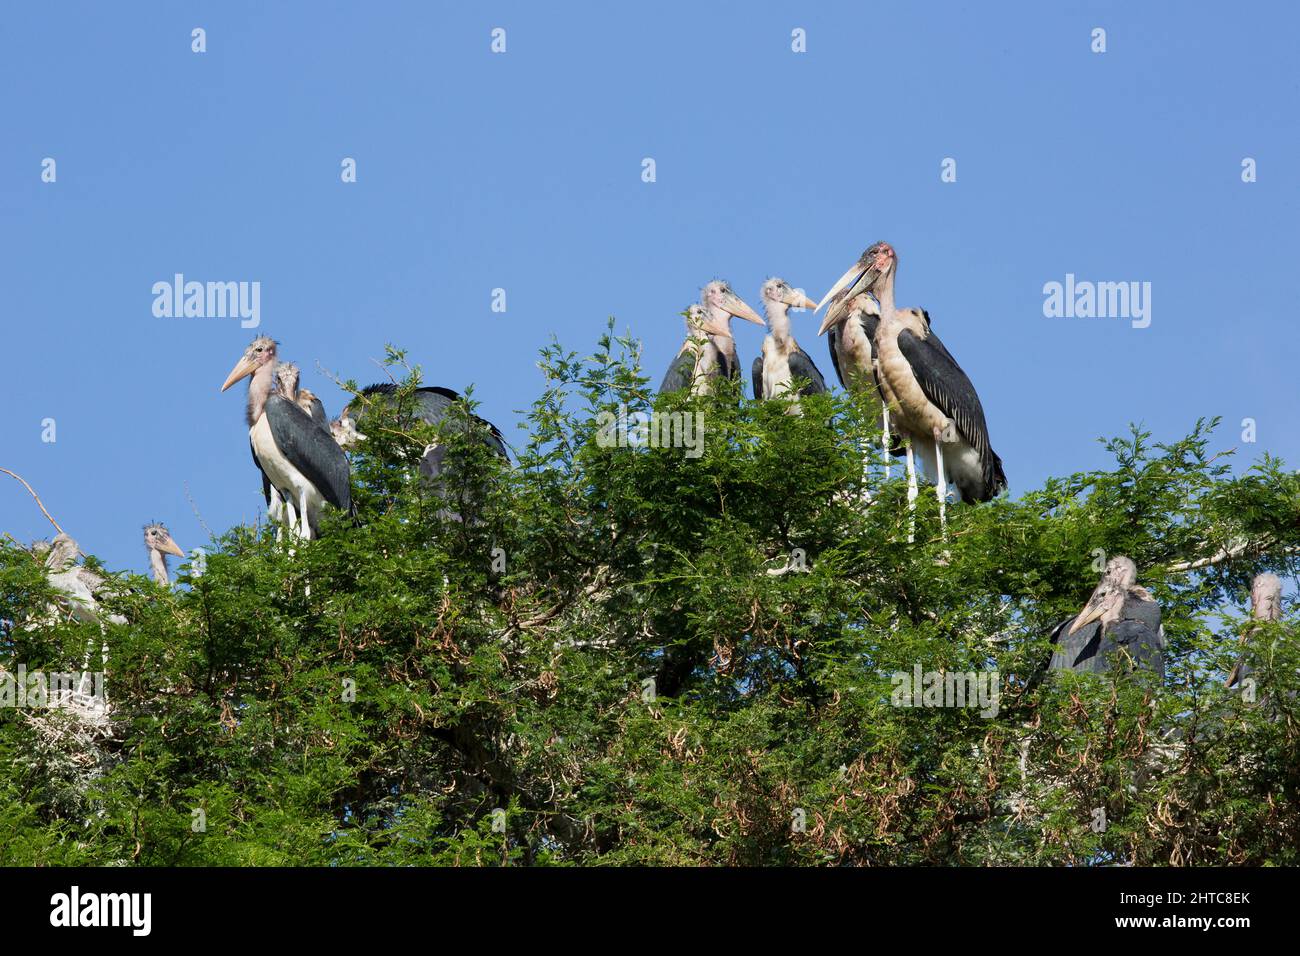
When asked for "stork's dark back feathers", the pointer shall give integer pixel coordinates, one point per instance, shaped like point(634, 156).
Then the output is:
point(680, 373)
point(311, 450)
point(433, 402)
point(1093, 648)
point(950, 389)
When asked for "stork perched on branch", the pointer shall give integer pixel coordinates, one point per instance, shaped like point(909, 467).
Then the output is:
point(782, 360)
point(850, 327)
point(931, 401)
point(80, 586)
point(1265, 606)
point(433, 405)
point(159, 543)
point(709, 352)
point(297, 458)
point(697, 362)
point(81, 590)
point(1120, 616)
point(710, 348)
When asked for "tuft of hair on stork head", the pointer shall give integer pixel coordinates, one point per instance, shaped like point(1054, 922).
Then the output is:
point(776, 291)
point(158, 538)
point(286, 380)
point(259, 352)
point(878, 262)
point(721, 303)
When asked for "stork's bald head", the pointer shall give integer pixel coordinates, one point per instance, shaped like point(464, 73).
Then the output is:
point(872, 268)
point(63, 551)
point(1120, 571)
point(882, 256)
point(286, 380)
point(721, 303)
point(260, 352)
point(1118, 581)
point(1266, 597)
point(777, 291)
point(158, 538)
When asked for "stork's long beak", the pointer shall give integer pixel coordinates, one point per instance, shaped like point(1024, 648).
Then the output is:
point(858, 275)
point(171, 547)
point(244, 367)
point(716, 326)
point(1101, 599)
point(1086, 617)
point(798, 300)
point(832, 317)
point(737, 307)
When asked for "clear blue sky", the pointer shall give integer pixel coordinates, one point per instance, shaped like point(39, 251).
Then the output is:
point(523, 171)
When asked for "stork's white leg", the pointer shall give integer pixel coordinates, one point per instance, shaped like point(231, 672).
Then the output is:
point(912, 492)
point(304, 530)
point(866, 473)
point(940, 483)
point(884, 418)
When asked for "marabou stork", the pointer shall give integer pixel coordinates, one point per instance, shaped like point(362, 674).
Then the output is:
point(432, 405)
point(720, 303)
point(1265, 605)
point(850, 327)
point(696, 359)
point(1119, 616)
point(930, 399)
point(296, 457)
point(782, 360)
point(77, 584)
point(286, 386)
point(158, 542)
point(81, 588)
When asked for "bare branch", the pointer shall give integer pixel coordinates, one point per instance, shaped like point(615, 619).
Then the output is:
point(40, 504)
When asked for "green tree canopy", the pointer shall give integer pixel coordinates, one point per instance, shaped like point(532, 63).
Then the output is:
point(638, 655)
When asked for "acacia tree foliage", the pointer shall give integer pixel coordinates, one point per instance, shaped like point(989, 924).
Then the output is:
point(500, 641)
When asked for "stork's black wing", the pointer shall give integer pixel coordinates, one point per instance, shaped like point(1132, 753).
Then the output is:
point(756, 373)
point(311, 450)
point(949, 388)
point(679, 373)
point(433, 403)
point(833, 340)
point(801, 366)
point(833, 336)
point(1092, 649)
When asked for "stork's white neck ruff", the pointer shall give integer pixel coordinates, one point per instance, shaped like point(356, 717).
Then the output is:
point(778, 321)
point(158, 565)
